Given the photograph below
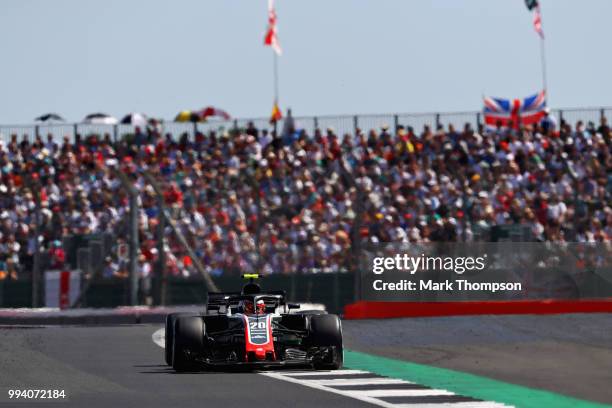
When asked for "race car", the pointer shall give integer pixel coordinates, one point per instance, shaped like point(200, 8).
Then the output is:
point(253, 329)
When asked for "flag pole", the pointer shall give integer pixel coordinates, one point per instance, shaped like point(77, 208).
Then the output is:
point(543, 62)
point(272, 41)
point(275, 77)
point(543, 57)
point(275, 87)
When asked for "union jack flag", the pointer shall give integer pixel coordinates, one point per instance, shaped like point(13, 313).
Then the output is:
point(514, 112)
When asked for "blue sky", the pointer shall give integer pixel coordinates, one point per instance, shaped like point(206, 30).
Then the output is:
point(341, 56)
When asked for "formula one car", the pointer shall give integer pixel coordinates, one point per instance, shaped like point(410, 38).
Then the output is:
point(253, 329)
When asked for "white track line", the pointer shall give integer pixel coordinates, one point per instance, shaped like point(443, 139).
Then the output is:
point(301, 374)
point(400, 393)
point(159, 338)
point(357, 381)
point(469, 404)
point(313, 384)
point(372, 396)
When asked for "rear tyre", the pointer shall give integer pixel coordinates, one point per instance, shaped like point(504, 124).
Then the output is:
point(169, 336)
point(188, 340)
point(326, 331)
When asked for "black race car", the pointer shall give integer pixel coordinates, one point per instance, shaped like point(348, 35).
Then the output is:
point(254, 329)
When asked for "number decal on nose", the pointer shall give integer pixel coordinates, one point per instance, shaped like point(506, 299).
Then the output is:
point(258, 325)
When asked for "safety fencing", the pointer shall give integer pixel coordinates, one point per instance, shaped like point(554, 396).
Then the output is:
point(341, 124)
point(335, 290)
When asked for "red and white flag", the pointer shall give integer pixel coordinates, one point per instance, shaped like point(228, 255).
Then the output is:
point(537, 21)
point(271, 38)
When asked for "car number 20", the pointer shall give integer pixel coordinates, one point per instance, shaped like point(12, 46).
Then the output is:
point(257, 325)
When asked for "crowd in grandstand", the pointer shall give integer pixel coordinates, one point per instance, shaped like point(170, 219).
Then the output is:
point(247, 200)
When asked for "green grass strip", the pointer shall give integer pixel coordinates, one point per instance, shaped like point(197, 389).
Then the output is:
point(463, 383)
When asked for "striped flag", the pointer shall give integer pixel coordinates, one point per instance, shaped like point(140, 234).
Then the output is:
point(271, 38)
point(533, 5)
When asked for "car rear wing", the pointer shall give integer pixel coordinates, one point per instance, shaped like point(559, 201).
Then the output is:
point(221, 302)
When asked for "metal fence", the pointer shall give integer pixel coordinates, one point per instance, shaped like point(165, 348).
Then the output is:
point(341, 124)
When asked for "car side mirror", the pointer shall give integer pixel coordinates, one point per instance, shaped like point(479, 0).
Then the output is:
point(293, 306)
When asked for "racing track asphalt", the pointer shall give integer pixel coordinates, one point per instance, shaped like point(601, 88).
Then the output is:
point(570, 354)
point(121, 366)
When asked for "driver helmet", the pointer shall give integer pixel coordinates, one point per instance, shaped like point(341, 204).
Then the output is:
point(247, 307)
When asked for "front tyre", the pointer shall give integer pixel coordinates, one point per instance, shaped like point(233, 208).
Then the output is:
point(169, 336)
point(188, 340)
point(326, 331)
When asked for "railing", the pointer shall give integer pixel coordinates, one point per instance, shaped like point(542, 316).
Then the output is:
point(341, 124)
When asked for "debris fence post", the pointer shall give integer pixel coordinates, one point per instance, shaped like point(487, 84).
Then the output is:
point(133, 241)
point(36, 267)
point(134, 249)
point(159, 279)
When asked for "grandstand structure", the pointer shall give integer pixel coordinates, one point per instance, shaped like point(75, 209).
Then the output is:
point(186, 200)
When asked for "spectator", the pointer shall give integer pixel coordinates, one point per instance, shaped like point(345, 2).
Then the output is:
point(247, 201)
point(56, 255)
point(549, 122)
